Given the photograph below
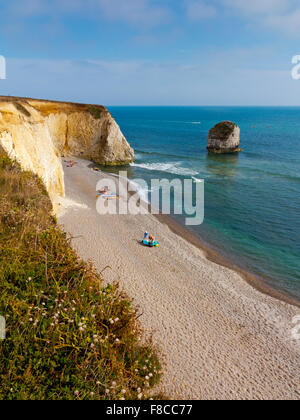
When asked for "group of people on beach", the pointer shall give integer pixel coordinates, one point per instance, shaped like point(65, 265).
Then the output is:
point(70, 163)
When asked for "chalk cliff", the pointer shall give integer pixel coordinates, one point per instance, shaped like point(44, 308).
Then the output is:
point(224, 137)
point(37, 133)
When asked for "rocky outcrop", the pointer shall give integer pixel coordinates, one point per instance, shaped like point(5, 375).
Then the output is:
point(37, 133)
point(223, 138)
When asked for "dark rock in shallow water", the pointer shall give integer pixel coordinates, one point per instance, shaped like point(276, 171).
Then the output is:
point(223, 138)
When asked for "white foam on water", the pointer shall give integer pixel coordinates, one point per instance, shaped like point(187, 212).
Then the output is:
point(172, 168)
point(183, 122)
point(138, 156)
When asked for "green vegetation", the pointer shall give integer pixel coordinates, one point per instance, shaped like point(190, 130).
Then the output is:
point(222, 130)
point(67, 336)
point(96, 111)
point(21, 108)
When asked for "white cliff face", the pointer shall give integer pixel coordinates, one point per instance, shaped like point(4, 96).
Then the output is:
point(30, 143)
point(224, 137)
point(38, 133)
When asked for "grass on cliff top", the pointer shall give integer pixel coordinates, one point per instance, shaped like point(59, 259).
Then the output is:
point(21, 108)
point(47, 107)
point(67, 336)
point(96, 111)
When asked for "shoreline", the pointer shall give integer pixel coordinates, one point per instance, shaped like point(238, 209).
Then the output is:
point(218, 337)
point(214, 256)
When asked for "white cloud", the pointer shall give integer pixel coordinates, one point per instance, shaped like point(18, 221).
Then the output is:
point(26, 8)
point(198, 9)
point(130, 11)
point(289, 23)
point(281, 15)
point(136, 11)
point(257, 7)
point(213, 81)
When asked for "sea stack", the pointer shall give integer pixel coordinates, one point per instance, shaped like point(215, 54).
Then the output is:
point(223, 138)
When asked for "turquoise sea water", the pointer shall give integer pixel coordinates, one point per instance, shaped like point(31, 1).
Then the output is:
point(252, 200)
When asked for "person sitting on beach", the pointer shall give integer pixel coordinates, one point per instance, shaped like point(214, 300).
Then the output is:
point(104, 191)
point(146, 235)
point(151, 242)
point(70, 163)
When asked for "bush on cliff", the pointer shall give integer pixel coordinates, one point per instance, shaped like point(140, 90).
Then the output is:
point(67, 336)
point(96, 111)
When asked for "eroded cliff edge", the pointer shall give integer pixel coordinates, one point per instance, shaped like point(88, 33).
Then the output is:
point(38, 132)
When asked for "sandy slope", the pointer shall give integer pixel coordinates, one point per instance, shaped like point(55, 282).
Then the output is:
point(221, 338)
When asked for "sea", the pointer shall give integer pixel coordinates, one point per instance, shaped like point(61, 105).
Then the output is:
point(252, 199)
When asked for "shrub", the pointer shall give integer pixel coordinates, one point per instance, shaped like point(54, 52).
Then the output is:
point(96, 111)
point(21, 108)
point(68, 337)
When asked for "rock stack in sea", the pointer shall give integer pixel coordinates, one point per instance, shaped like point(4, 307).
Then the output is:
point(223, 138)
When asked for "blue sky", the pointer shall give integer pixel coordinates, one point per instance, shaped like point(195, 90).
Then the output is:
point(152, 52)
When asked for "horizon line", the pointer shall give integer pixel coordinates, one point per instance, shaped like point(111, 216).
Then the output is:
point(206, 106)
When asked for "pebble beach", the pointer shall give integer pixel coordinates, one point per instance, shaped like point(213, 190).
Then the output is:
point(218, 336)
